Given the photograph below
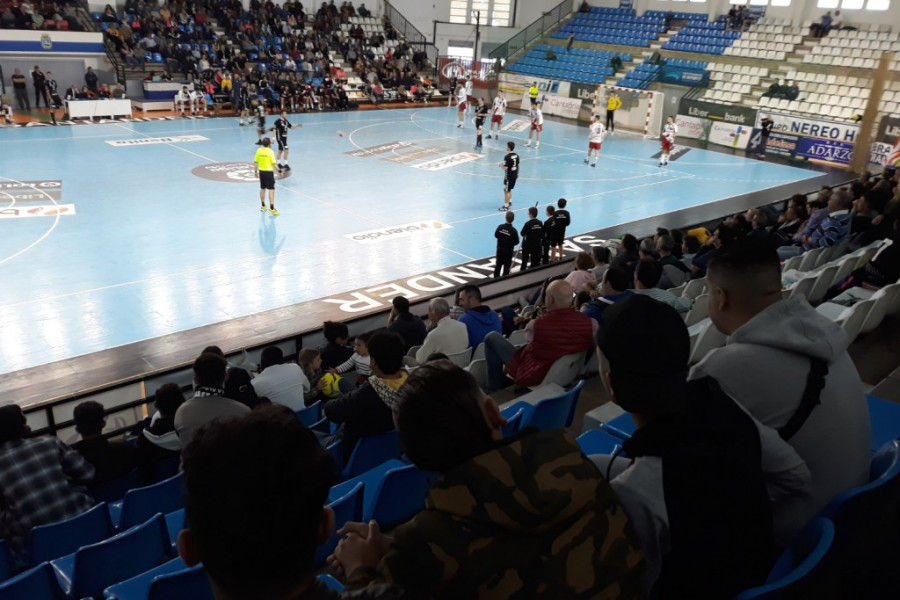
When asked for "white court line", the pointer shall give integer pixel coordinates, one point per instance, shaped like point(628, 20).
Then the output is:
point(46, 233)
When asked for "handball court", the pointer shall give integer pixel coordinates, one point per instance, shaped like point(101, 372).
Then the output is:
point(122, 242)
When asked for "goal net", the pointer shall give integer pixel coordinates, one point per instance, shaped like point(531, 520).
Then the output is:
point(641, 110)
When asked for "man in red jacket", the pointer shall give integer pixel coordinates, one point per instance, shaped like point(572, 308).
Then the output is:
point(561, 331)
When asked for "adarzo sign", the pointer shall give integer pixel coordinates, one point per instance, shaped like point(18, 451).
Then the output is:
point(230, 172)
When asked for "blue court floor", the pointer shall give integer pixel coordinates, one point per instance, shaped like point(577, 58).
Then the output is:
point(120, 232)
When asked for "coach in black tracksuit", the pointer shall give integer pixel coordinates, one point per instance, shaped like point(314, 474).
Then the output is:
point(532, 239)
point(507, 240)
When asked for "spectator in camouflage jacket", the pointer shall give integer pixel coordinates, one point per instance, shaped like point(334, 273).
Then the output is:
point(507, 518)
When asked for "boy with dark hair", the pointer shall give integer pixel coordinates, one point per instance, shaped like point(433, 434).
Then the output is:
point(41, 479)
point(335, 352)
point(209, 401)
point(550, 234)
point(157, 440)
point(563, 220)
point(532, 239)
point(111, 460)
point(507, 240)
point(499, 521)
point(510, 166)
point(693, 483)
point(252, 554)
point(368, 410)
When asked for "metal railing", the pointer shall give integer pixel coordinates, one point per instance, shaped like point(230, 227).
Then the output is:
point(410, 33)
point(518, 42)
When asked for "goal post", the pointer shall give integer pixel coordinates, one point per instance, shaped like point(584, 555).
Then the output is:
point(641, 110)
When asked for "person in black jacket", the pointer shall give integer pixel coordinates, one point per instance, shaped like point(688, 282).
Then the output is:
point(532, 239)
point(336, 352)
point(408, 326)
point(368, 409)
point(111, 460)
point(507, 240)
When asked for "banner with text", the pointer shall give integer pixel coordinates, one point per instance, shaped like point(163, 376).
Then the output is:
point(692, 127)
point(515, 85)
point(827, 142)
point(739, 115)
point(684, 76)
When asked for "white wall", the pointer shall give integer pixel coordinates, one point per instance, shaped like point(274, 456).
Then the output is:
point(423, 13)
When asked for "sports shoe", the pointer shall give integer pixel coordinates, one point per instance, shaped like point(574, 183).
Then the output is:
point(586, 161)
point(537, 145)
point(487, 137)
point(478, 145)
point(274, 212)
point(287, 167)
point(241, 123)
point(503, 208)
point(259, 142)
point(263, 208)
point(659, 165)
point(593, 164)
point(459, 126)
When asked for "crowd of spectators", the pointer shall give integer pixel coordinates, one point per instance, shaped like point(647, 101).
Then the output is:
point(282, 54)
point(726, 431)
point(40, 16)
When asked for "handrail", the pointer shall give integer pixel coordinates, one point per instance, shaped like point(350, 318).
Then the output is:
point(410, 33)
point(532, 32)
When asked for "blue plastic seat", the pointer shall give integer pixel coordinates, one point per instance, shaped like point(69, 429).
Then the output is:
point(513, 421)
point(597, 441)
point(53, 540)
point(346, 501)
point(331, 583)
point(555, 412)
point(311, 414)
point(38, 583)
point(884, 418)
point(803, 569)
point(96, 567)
point(622, 427)
point(397, 496)
point(140, 504)
point(110, 491)
point(137, 587)
point(372, 451)
point(188, 584)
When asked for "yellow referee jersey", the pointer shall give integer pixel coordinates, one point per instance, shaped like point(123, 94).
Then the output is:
point(265, 159)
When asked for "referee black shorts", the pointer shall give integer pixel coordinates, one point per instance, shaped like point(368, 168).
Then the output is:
point(267, 180)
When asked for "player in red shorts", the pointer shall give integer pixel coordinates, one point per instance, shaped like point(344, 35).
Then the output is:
point(461, 103)
point(499, 110)
point(667, 140)
point(537, 126)
point(595, 140)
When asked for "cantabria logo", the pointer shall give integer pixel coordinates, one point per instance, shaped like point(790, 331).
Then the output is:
point(230, 172)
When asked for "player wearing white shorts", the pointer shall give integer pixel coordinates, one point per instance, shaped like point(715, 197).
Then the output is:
point(198, 102)
point(183, 99)
point(537, 125)
point(461, 103)
point(596, 133)
point(499, 109)
point(470, 101)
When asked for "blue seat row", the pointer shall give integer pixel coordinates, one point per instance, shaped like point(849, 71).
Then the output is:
point(700, 48)
point(602, 39)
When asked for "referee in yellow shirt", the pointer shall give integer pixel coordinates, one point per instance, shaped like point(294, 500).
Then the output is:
point(533, 93)
point(264, 168)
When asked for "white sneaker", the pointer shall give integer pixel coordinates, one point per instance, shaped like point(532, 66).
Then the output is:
point(537, 145)
point(528, 144)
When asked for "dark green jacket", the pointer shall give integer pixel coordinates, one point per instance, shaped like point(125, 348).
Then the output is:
point(532, 518)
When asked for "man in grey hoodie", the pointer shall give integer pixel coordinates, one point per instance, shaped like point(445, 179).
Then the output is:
point(774, 347)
